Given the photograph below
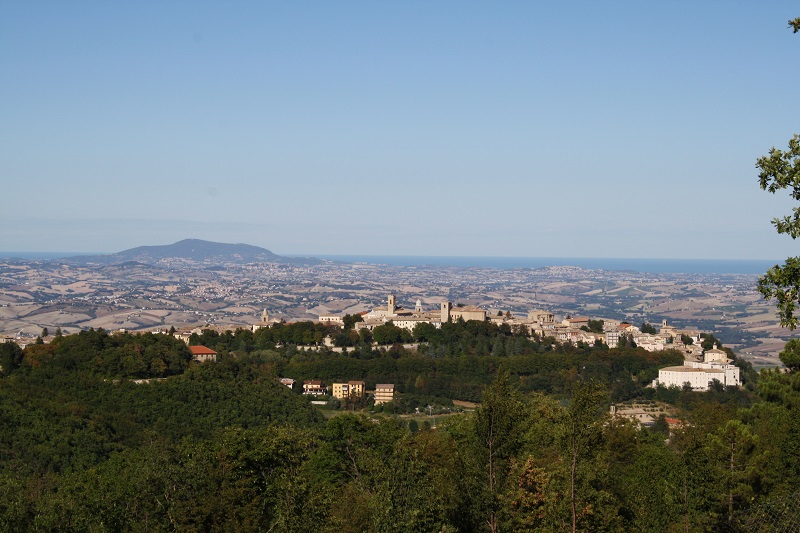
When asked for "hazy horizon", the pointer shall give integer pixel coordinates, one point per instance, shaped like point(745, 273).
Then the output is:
point(57, 254)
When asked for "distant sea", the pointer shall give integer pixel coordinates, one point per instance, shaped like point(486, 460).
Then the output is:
point(663, 266)
point(39, 255)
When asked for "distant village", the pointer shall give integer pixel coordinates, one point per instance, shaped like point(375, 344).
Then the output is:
point(700, 369)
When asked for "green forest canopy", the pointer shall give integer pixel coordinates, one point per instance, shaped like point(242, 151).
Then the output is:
point(224, 446)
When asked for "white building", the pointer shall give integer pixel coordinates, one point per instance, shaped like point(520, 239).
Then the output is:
point(612, 338)
point(699, 376)
point(314, 387)
point(651, 343)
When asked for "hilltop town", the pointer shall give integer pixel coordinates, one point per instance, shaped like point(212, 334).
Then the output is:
point(228, 293)
point(704, 361)
point(538, 322)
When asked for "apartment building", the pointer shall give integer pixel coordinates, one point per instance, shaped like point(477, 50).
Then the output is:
point(348, 390)
point(384, 393)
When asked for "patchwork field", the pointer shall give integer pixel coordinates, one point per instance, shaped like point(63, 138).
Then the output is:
point(139, 296)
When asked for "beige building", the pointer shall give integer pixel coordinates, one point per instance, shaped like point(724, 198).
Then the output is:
point(348, 390)
point(576, 322)
point(667, 330)
point(185, 334)
point(384, 393)
point(542, 318)
point(265, 322)
point(389, 312)
point(716, 356)
point(467, 312)
point(406, 318)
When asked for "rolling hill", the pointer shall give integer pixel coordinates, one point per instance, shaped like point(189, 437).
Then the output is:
point(194, 250)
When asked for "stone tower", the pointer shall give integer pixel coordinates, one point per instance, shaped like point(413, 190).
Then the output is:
point(264, 318)
point(446, 306)
point(392, 307)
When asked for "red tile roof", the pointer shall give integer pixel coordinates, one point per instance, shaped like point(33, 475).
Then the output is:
point(202, 350)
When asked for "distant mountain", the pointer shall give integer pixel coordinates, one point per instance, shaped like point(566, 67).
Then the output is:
point(195, 250)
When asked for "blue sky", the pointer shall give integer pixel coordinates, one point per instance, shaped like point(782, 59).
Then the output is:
point(569, 129)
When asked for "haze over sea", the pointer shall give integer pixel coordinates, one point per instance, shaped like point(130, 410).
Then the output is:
point(665, 266)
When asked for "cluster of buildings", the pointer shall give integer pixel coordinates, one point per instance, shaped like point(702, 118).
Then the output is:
point(383, 393)
point(408, 319)
point(700, 369)
point(575, 330)
point(538, 322)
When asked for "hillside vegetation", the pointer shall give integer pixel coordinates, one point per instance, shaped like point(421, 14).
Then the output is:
point(224, 446)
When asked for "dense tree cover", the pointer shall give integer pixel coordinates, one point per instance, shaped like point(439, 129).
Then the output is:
point(11, 357)
point(390, 334)
point(350, 321)
point(520, 462)
point(115, 356)
point(242, 341)
point(595, 326)
point(458, 361)
point(64, 406)
point(646, 327)
point(709, 341)
point(223, 446)
point(790, 355)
